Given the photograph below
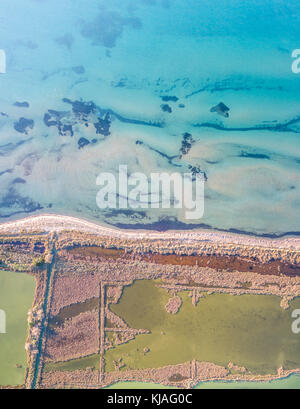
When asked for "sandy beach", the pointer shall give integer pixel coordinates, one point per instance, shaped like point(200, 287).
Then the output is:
point(57, 223)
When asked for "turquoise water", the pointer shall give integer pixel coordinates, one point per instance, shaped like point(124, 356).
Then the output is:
point(125, 56)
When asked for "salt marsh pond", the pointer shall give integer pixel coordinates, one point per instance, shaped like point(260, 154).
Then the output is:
point(249, 330)
point(16, 298)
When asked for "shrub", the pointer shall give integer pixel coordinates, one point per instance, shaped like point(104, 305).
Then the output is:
point(39, 262)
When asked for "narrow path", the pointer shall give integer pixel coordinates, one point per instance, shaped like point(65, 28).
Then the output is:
point(45, 310)
point(102, 331)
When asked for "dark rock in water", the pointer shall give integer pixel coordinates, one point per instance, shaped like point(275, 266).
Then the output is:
point(195, 170)
point(186, 143)
point(87, 111)
point(221, 109)
point(166, 108)
point(181, 105)
point(66, 130)
point(17, 203)
point(67, 101)
point(82, 143)
point(103, 125)
point(82, 112)
point(19, 180)
point(81, 109)
point(79, 69)
point(187, 136)
point(23, 125)
point(53, 118)
point(167, 98)
point(244, 154)
point(48, 121)
point(21, 104)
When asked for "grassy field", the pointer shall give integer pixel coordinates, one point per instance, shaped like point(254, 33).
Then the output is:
point(249, 330)
point(16, 297)
point(91, 361)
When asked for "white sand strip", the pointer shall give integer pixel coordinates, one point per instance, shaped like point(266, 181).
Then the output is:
point(52, 222)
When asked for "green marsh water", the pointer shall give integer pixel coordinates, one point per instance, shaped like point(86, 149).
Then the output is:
point(16, 297)
point(73, 310)
point(91, 361)
point(249, 330)
point(292, 382)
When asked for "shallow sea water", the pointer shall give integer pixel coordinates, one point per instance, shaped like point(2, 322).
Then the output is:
point(124, 56)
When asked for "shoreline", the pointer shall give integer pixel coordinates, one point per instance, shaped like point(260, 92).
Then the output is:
point(229, 379)
point(230, 383)
point(57, 223)
point(163, 226)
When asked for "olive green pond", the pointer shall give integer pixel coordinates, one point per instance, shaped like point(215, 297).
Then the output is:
point(16, 298)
